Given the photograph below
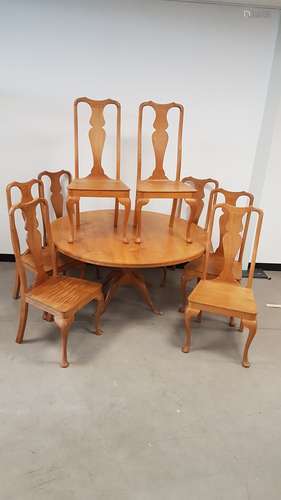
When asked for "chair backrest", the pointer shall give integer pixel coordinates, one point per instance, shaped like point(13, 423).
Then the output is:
point(56, 198)
point(200, 185)
point(34, 238)
point(97, 134)
point(235, 220)
point(230, 198)
point(160, 138)
point(25, 189)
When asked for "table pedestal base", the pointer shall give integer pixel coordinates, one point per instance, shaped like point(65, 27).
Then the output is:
point(120, 277)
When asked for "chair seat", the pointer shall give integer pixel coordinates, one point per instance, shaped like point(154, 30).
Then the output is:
point(165, 186)
point(215, 266)
point(62, 261)
point(218, 296)
point(63, 294)
point(91, 183)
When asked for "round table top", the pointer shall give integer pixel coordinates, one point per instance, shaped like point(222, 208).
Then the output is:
point(98, 242)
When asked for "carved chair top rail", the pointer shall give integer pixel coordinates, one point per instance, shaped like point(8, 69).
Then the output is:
point(160, 138)
point(25, 189)
point(97, 135)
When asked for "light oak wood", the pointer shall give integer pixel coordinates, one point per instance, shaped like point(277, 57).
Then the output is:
point(58, 203)
point(58, 296)
point(56, 196)
point(96, 243)
point(24, 190)
point(224, 295)
point(200, 186)
point(216, 258)
point(97, 183)
point(158, 185)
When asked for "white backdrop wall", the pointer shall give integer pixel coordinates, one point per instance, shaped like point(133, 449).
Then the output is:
point(210, 58)
point(270, 246)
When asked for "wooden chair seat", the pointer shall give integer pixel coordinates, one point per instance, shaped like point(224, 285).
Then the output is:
point(62, 294)
point(98, 184)
point(223, 298)
point(165, 186)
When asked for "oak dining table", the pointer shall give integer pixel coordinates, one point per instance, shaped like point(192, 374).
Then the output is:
point(99, 243)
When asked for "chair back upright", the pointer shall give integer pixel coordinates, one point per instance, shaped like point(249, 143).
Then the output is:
point(232, 239)
point(97, 135)
point(34, 238)
point(160, 138)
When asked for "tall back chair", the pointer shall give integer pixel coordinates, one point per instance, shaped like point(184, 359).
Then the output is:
point(224, 295)
point(231, 198)
point(24, 189)
point(59, 296)
point(56, 198)
point(97, 183)
point(215, 262)
point(200, 186)
point(158, 185)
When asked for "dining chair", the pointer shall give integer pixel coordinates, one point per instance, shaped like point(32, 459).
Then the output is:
point(97, 183)
point(202, 187)
point(224, 295)
point(158, 185)
point(55, 184)
point(216, 259)
point(58, 296)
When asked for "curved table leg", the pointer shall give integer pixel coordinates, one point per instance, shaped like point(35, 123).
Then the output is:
point(139, 282)
point(121, 277)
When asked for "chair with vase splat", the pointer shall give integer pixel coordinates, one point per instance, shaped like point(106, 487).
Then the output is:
point(158, 186)
point(25, 192)
point(97, 183)
point(224, 295)
point(58, 296)
point(215, 262)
